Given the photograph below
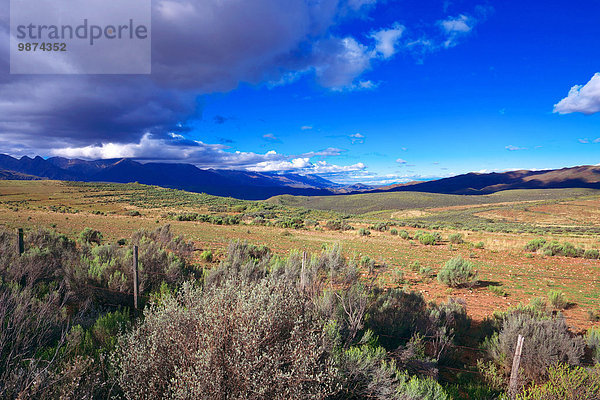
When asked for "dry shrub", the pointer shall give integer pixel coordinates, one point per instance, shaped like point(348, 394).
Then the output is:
point(228, 342)
point(547, 341)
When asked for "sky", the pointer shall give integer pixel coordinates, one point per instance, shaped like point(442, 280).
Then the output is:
point(369, 91)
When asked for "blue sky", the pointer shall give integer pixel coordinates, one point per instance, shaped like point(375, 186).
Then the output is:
point(379, 92)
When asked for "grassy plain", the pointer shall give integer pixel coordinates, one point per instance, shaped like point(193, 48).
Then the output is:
point(503, 223)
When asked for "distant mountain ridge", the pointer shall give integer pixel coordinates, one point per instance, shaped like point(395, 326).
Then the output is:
point(240, 184)
point(586, 176)
point(262, 185)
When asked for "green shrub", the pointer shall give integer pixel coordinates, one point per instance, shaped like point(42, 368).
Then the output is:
point(428, 239)
point(479, 245)
point(108, 326)
point(566, 383)
point(364, 232)
point(337, 225)
point(380, 226)
point(566, 249)
point(456, 238)
point(89, 236)
point(398, 277)
point(394, 315)
point(415, 266)
point(369, 375)
point(535, 244)
point(207, 255)
point(404, 235)
point(591, 254)
point(498, 291)
point(592, 338)
point(394, 232)
point(426, 272)
point(558, 299)
point(367, 262)
point(458, 272)
point(594, 315)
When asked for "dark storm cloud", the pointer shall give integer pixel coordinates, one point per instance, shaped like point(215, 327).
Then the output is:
point(197, 47)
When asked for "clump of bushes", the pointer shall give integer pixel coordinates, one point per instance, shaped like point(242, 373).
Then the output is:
point(364, 232)
point(394, 232)
point(558, 299)
point(535, 244)
point(455, 238)
point(556, 248)
point(380, 226)
point(404, 235)
point(283, 335)
point(458, 272)
point(338, 225)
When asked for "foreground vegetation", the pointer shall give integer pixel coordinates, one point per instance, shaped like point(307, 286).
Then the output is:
point(257, 325)
point(385, 304)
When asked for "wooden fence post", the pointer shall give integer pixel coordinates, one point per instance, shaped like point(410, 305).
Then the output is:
point(514, 373)
point(135, 277)
point(303, 271)
point(20, 244)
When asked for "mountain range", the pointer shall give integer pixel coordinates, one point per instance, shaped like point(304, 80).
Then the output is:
point(240, 184)
point(262, 185)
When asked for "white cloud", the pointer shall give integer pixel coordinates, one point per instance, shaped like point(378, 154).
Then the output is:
point(306, 127)
point(588, 141)
point(455, 27)
point(401, 161)
point(510, 147)
point(281, 165)
point(386, 40)
point(583, 99)
point(357, 138)
point(458, 24)
point(328, 152)
point(340, 61)
point(271, 137)
point(210, 156)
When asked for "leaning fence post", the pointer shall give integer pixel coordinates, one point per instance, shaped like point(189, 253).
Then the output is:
point(514, 373)
point(20, 244)
point(303, 271)
point(135, 277)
